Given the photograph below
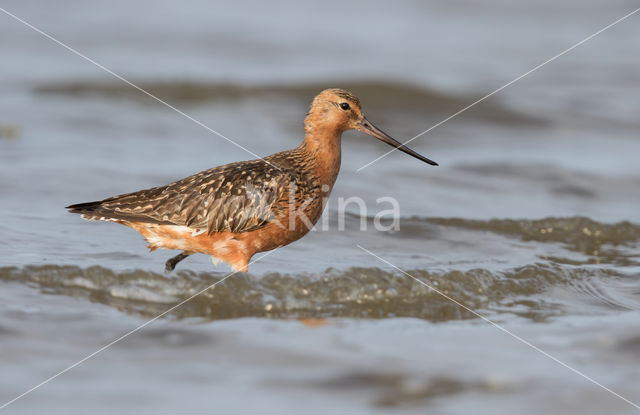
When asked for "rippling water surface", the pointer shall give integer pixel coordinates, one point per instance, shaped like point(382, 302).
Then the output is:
point(531, 220)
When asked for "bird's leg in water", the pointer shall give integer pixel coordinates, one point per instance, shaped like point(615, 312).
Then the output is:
point(171, 263)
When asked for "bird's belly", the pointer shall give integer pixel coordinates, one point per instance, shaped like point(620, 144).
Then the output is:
point(220, 245)
point(288, 226)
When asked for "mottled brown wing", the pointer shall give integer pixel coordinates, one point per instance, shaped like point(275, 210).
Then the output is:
point(235, 197)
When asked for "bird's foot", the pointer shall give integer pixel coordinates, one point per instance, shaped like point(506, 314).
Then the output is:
point(171, 263)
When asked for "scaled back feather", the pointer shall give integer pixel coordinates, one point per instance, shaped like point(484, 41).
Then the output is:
point(236, 197)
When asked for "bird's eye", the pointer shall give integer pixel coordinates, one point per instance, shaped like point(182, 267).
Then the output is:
point(345, 106)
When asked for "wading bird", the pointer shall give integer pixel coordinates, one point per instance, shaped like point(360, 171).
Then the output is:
point(234, 211)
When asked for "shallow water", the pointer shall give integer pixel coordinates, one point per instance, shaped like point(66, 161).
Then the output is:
point(531, 220)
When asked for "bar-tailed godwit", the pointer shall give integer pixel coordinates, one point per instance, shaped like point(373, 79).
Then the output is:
point(234, 211)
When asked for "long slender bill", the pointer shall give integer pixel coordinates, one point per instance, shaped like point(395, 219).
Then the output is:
point(372, 130)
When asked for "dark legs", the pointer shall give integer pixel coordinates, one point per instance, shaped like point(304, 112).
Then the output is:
point(171, 263)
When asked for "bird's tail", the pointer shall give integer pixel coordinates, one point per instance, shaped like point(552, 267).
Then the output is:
point(94, 211)
point(98, 211)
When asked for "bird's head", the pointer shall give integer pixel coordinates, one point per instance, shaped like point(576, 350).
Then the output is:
point(339, 110)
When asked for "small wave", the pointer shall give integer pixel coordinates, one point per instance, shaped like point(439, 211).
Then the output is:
point(573, 230)
point(603, 243)
point(356, 292)
point(405, 97)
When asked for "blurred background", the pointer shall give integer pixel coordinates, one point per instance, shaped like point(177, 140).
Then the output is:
point(531, 219)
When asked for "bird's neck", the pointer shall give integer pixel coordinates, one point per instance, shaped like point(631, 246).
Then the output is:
point(322, 147)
